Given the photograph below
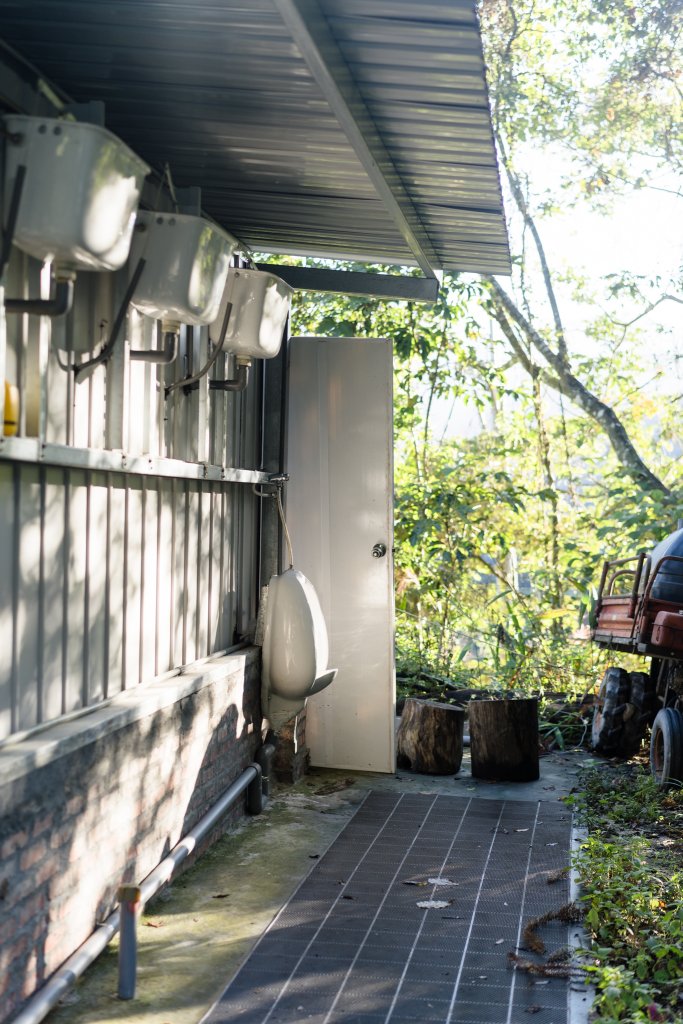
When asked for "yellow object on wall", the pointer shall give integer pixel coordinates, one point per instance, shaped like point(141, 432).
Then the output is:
point(11, 409)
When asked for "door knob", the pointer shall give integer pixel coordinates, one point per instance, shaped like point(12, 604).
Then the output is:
point(379, 550)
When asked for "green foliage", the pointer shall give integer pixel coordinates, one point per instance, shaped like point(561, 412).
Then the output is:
point(600, 79)
point(471, 513)
point(499, 537)
point(632, 884)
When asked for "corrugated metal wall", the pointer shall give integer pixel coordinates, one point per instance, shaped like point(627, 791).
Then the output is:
point(128, 527)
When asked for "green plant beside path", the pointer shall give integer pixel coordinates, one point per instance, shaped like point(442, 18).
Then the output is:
point(630, 868)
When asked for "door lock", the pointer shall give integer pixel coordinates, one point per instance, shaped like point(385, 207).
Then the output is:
point(379, 550)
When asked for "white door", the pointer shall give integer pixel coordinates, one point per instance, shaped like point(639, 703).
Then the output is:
point(340, 517)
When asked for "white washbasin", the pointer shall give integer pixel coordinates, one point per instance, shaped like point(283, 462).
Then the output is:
point(186, 267)
point(80, 193)
point(260, 306)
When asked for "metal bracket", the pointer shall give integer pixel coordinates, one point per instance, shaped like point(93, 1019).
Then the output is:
point(91, 112)
point(353, 282)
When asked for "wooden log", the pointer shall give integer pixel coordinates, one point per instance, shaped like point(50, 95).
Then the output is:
point(504, 739)
point(429, 738)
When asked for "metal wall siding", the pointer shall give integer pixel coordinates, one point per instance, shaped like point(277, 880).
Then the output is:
point(164, 577)
point(52, 592)
point(193, 549)
point(28, 587)
point(130, 651)
point(148, 581)
point(116, 574)
point(97, 586)
point(108, 579)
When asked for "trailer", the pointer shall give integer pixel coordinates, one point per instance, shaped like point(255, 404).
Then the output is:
point(639, 612)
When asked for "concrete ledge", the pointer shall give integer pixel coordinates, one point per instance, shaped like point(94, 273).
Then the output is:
point(64, 737)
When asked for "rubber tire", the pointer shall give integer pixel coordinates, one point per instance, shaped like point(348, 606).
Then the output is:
point(638, 713)
point(644, 694)
point(608, 714)
point(666, 748)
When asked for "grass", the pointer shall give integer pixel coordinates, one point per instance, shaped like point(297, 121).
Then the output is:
point(631, 870)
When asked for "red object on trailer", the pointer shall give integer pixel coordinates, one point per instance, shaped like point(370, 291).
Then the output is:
point(637, 621)
point(667, 631)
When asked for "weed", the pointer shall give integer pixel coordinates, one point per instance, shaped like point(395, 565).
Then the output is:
point(633, 891)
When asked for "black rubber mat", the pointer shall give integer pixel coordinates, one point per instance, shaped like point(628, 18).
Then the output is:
point(353, 944)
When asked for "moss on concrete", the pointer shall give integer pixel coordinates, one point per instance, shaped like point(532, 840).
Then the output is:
point(195, 934)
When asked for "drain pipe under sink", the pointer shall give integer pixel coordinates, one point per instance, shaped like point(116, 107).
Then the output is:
point(40, 1004)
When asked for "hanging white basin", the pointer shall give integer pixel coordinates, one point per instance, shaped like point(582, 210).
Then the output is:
point(186, 267)
point(260, 306)
point(80, 193)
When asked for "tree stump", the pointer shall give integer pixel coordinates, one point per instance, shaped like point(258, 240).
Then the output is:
point(429, 738)
point(504, 739)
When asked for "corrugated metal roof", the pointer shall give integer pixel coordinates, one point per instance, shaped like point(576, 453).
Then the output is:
point(239, 101)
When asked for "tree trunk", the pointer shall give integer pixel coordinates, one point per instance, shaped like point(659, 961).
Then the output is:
point(505, 311)
point(504, 739)
point(429, 737)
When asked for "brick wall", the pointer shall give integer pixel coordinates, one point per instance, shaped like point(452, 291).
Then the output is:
point(107, 812)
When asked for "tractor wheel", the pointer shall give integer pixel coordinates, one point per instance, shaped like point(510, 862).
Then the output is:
point(666, 748)
point(638, 713)
point(644, 695)
point(617, 727)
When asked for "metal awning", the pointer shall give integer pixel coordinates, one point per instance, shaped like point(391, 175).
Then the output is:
point(344, 129)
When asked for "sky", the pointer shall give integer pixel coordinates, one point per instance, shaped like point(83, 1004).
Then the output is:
point(642, 233)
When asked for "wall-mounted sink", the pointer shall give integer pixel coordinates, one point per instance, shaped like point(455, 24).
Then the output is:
point(80, 193)
point(186, 266)
point(260, 306)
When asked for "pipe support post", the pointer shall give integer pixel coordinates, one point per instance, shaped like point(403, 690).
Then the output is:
point(255, 791)
point(130, 901)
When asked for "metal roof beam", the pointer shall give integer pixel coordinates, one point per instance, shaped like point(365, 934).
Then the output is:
point(319, 48)
point(22, 87)
point(353, 282)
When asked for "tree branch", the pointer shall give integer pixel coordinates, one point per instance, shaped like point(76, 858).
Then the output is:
point(530, 223)
point(570, 385)
point(520, 356)
point(648, 310)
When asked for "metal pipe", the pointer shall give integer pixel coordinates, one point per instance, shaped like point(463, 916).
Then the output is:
point(12, 214)
point(255, 792)
point(238, 383)
point(187, 382)
point(59, 984)
point(651, 579)
point(603, 580)
point(264, 757)
point(162, 356)
point(636, 585)
point(163, 871)
point(616, 576)
point(40, 1004)
point(83, 370)
point(58, 305)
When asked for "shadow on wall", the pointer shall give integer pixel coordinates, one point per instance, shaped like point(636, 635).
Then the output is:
point(72, 831)
point(107, 580)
